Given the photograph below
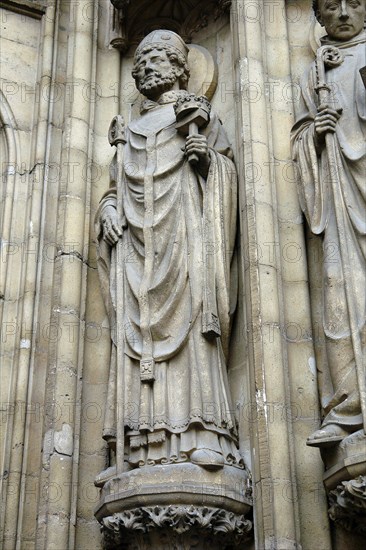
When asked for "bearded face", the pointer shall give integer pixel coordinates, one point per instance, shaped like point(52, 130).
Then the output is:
point(155, 73)
point(156, 83)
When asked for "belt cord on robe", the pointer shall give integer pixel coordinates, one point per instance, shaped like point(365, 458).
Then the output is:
point(147, 363)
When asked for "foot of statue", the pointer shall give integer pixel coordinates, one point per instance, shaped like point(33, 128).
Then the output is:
point(207, 459)
point(328, 436)
point(105, 475)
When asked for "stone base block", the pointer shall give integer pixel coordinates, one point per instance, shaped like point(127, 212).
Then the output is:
point(346, 461)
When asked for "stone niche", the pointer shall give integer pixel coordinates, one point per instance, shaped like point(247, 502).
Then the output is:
point(182, 505)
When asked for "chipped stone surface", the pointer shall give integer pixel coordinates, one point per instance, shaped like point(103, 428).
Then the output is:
point(63, 440)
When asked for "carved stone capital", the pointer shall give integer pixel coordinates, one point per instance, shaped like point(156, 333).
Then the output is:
point(348, 505)
point(179, 526)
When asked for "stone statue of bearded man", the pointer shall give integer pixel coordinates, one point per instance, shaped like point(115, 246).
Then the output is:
point(178, 233)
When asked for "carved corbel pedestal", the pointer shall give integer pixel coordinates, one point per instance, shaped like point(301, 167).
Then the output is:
point(345, 461)
point(348, 505)
point(176, 506)
point(345, 481)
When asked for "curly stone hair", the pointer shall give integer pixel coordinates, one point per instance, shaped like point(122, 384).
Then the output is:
point(173, 55)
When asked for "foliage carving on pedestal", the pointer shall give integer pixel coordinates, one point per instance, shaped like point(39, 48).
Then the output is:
point(348, 505)
point(177, 520)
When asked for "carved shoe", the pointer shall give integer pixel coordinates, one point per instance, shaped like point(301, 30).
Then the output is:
point(207, 459)
point(328, 436)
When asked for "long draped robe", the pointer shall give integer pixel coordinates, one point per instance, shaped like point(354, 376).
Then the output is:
point(179, 291)
point(340, 395)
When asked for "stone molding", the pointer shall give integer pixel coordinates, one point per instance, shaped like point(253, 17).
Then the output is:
point(348, 505)
point(226, 527)
point(35, 9)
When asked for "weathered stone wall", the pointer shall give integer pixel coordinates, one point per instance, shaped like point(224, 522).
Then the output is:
point(62, 84)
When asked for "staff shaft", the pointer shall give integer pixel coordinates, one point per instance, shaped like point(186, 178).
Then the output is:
point(117, 138)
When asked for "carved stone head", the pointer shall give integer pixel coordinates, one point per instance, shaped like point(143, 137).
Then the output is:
point(160, 63)
point(342, 19)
